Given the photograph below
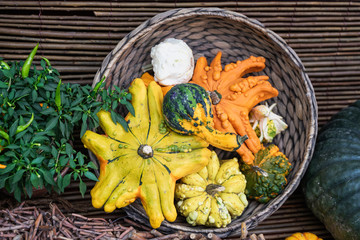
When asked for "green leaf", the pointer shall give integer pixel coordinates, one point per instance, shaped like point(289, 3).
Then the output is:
point(67, 117)
point(39, 138)
point(10, 154)
point(3, 180)
point(13, 127)
point(75, 176)
point(12, 146)
point(66, 180)
point(54, 152)
point(122, 121)
point(10, 112)
point(48, 111)
point(34, 95)
point(130, 107)
point(113, 116)
point(92, 165)
point(48, 177)
point(52, 123)
point(20, 134)
point(38, 160)
point(62, 128)
point(63, 160)
point(35, 180)
point(17, 193)
point(84, 117)
point(3, 85)
point(68, 149)
point(114, 105)
point(11, 94)
point(46, 149)
point(82, 187)
point(17, 176)
point(8, 73)
point(68, 130)
point(76, 102)
point(59, 182)
point(80, 158)
point(91, 176)
point(83, 129)
point(76, 117)
point(72, 163)
point(29, 188)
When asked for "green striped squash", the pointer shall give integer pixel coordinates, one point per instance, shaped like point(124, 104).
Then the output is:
point(187, 110)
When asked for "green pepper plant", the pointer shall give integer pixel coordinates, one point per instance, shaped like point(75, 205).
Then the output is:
point(38, 116)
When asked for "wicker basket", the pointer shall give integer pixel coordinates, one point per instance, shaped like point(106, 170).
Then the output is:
point(206, 31)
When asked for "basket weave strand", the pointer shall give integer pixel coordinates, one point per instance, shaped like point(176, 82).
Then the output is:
point(207, 31)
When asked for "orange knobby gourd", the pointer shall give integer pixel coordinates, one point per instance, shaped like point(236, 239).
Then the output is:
point(233, 96)
point(147, 78)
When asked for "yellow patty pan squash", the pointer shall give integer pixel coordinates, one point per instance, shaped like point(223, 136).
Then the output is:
point(145, 161)
point(214, 195)
point(303, 236)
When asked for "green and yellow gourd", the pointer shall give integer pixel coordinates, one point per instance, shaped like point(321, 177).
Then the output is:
point(187, 110)
point(214, 195)
point(145, 161)
point(266, 177)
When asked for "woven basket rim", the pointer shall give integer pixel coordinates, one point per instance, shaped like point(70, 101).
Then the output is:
point(179, 13)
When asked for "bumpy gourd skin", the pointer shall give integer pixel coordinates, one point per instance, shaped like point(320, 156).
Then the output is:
point(236, 96)
point(266, 178)
point(145, 161)
point(214, 195)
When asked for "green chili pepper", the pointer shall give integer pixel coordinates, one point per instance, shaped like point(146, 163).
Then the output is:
point(98, 85)
point(27, 64)
point(5, 136)
point(4, 65)
point(26, 125)
point(58, 96)
point(47, 61)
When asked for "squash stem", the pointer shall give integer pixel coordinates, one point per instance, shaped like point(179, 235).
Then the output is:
point(212, 189)
point(215, 97)
point(261, 171)
point(145, 151)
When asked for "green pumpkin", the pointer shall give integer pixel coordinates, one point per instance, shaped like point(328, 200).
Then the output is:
point(187, 110)
point(332, 182)
point(266, 178)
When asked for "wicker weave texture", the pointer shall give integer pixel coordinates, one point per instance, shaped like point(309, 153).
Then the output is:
point(207, 31)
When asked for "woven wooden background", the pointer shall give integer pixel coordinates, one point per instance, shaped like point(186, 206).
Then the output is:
point(77, 35)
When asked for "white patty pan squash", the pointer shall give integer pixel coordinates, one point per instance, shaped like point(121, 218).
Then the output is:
point(214, 195)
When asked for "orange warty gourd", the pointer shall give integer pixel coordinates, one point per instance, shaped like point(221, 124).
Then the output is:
point(233, 96)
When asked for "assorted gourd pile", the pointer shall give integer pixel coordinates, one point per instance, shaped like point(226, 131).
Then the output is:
point(164, 157)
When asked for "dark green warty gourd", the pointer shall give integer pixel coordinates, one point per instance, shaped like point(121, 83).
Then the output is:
point(332, 182)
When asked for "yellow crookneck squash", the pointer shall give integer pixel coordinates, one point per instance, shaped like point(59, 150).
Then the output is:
point(145, 161)
point(214, 195)
point(233, 96)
